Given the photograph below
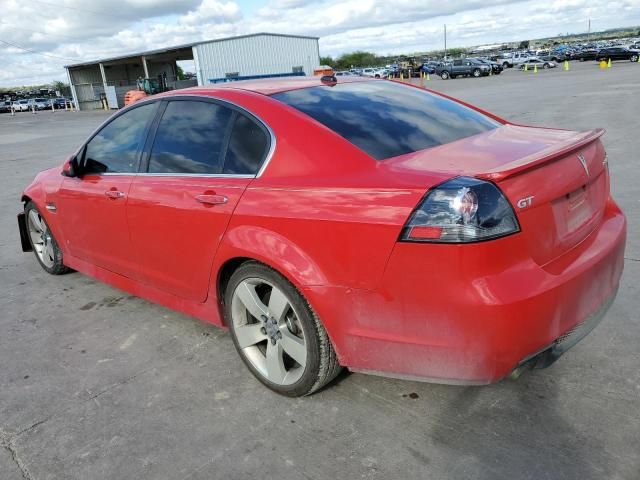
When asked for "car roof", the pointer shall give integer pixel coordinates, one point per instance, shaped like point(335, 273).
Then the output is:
point(270, 86)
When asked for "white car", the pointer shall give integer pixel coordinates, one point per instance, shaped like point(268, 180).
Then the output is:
point(372, 72)
point(21, 105)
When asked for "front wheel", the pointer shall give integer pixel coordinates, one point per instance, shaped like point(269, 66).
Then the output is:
point(634, 58)
point(444, 75)
point(546, 65)
point(43, 243)
point(277, 334)
point(476, 72)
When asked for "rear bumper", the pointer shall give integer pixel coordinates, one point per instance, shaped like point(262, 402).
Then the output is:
point(472, 313)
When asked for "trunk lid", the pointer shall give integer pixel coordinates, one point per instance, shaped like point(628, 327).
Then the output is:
point(556, 180)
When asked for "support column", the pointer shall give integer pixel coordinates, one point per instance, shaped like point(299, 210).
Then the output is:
point(144, 67)
point(104, 77)
point(76, 100)
point(196, 64)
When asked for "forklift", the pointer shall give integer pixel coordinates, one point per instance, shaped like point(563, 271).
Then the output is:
point(145, 87)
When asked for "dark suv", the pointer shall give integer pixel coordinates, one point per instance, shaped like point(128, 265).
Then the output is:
point(467, 67)
point(617, 53)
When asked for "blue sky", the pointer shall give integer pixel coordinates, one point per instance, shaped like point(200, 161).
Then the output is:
point(60, 32)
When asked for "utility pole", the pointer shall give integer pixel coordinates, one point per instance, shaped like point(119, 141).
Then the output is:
point(589, 29)
point(445, 42)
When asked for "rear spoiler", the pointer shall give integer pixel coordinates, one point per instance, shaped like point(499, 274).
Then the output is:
point(541, 158)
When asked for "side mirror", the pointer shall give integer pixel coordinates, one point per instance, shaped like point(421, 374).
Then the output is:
point(70, 167)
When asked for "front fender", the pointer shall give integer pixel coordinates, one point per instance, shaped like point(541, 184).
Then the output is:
point(43, 190)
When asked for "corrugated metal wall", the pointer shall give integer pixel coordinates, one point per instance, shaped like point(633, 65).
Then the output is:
point(258, 55)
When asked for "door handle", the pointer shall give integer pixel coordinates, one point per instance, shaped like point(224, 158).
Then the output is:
point(114, 194)
point(212, 199)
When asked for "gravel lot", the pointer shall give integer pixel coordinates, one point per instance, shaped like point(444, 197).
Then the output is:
point(96, 384)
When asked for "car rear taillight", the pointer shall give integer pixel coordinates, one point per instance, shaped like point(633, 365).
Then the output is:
point(461, 210)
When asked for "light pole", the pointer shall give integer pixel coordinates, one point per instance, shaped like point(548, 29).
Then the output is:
point(445, 42)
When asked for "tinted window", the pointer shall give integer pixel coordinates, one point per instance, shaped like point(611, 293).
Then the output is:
point(115, 148)
point(386, 119)
point(190, 138)
point(247, 147)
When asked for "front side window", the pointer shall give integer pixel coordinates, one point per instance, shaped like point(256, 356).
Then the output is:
point(387, 119)
point(190, 138)
point(116, 147)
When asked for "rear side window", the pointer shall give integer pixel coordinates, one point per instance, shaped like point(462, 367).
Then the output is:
point(190, 138)
point(247, 147)
point(387, 119)
point(115, 148)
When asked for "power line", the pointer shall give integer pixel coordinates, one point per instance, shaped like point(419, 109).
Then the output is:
point(15, 45)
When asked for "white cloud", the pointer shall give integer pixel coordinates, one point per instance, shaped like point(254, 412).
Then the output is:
point(212, 11)
point(81, 31)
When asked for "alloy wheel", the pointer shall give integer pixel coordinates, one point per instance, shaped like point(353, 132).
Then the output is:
point(268, 331)
point(41, 238)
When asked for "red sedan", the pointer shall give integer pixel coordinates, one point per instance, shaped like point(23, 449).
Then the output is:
point(355, 223)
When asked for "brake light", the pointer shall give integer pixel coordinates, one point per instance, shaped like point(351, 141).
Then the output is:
point(461, 210)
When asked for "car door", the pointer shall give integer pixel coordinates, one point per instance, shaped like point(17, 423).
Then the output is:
point(203, 155)
point(91, 207)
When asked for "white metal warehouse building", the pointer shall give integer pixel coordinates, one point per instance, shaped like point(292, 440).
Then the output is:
point(226, 59)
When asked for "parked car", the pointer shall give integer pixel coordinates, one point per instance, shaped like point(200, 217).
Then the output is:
point(428, 68)
point(587, 54)
point(60, 103)
point(413, 256)
point(5, 106)
point(21, 105)
point(463, 68)
point(509, 60)
point(374, 72)
point(495, 66)
point(537, 62)
point(617, 53)
point(39, 103)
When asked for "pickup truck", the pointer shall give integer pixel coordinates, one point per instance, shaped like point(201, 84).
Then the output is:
point(509, 60)
point(463, 68)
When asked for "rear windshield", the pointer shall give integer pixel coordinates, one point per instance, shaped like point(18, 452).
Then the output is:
point(387, 119)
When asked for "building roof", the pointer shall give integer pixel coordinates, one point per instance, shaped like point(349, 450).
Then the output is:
point(184, 46)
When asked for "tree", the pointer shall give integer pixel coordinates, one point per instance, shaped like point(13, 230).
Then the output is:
point(357, 59)
point(179, 72)
point(58, 86)
point(524, 44)
point(327, 61)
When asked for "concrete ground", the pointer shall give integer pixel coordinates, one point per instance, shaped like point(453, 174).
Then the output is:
point(96, 384)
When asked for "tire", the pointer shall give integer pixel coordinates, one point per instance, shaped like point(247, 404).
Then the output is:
point(297, 330)
point(445, 75)
point(476, 72)
point(505, 65)
point(48, 252)
point(634, 58)
point(545, 65)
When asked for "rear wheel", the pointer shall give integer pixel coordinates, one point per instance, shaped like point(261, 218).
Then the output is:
point(43, 243)
point(634, 58)
point(277, 334)
point(546, 65)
